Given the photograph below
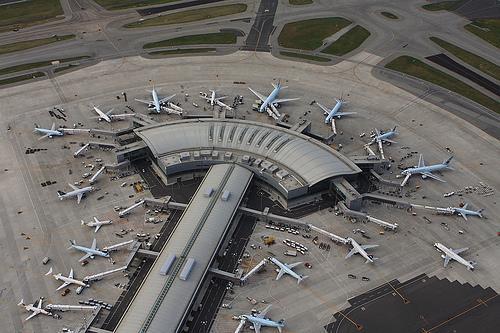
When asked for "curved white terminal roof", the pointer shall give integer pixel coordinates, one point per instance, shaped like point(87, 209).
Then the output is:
point(309, 159)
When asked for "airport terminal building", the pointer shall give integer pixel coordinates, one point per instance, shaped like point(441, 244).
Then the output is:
point(293, 164)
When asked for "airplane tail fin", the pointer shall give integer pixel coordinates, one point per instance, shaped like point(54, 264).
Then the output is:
point(49, 272)
point(72, 242)
point(446, 162)
point(473, 264)
point(21, 303)
point(83, 222)
point(480, 212)
point(60, 194)
point(302, 278)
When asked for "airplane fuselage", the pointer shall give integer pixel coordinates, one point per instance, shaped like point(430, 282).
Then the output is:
point(102, 115)
point(460, 211)
point(75, 192)
point(430, 168)
point(332, 113)
point(453, 255)
point(270, 99)
point(212, 98)
point(70, 280)
point(384, 136)
point(263, 321)
point(36, 310)
point(49, 133)
point(156, 101)
point(360, 250)
point(91, 251)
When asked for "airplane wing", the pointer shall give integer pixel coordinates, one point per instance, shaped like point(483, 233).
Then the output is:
point(123, 115)
point(31, 316)
point(79, 198)
point(334, 126)
point(43, 137)
point(73, 187)
point(220, 98)
point(94, 244)
point(280, 274)
point(96, 219)
point(256, 327)
point(70, 274)
point(431, 175)
point(406, 179)
point(344, 113)
point(109, 112)
point(351, 253)
point(458, 251)
point(64, 285)
point(464, 215)
point(364, 247)
point(263, 313)
point(389, 140)
point(144, 101)
point(294, 265)
point(446, 260)
point(325, 110)
point(166, 99)
point(86, 256)
point(283, 100)
point(259, 95)
point(421, 162)
point(53, 127)
point(97, 227)
point(240, 326)
point(223, 105)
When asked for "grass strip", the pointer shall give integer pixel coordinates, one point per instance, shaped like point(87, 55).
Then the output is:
point(419, 69)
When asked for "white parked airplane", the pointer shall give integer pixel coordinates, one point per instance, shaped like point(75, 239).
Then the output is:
point(287, 269)
point(67, 280)
point(449, 253)
point(157, 104)
point(462, 211)
point(426, 171)
point(259, 320)
point(270, 102)
point(109, 116)
point(48, 133)
point(334, 113)
point(90, 252)
point(214, 100)
point(357, 248)
point(96, 223)
point(36, 309)
point(77, 192)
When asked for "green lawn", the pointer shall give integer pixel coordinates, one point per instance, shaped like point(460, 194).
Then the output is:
point(417, 68)
point(24, 67)
point(213, 38)
point(182, 51)
point(309, 34)
point(349, 41)
point(444, 5)
point(123, 4)
point(487, 29)
point(29, 44)
point(24, 14)
point(470, 58)
point(389, 15)
point(304, 56)
point(21, 78)
point(300, 2)
point(190, 16)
